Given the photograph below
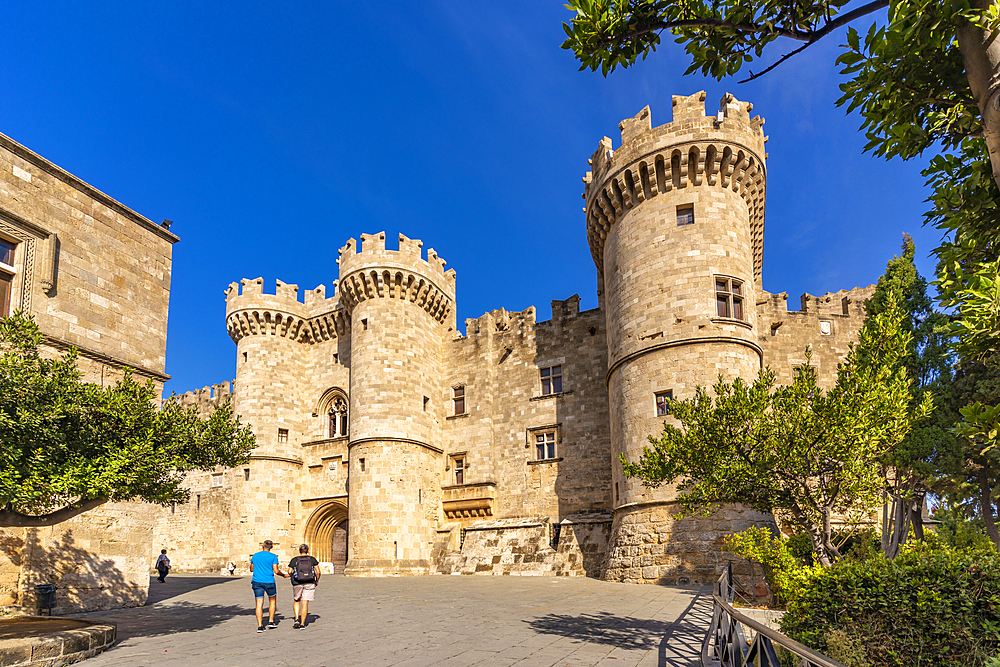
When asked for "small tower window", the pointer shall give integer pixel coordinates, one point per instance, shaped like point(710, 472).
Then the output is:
point(337, 415)
point(685, 215)
point(282, 435)
point(545, 445)
point(459, 470)
point(663, 399)
point(458, 398)
point(729, 298)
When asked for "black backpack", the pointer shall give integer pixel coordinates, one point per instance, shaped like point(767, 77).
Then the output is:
point(304, 573)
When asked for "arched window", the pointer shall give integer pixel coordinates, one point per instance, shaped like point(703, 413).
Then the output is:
point(337, 414)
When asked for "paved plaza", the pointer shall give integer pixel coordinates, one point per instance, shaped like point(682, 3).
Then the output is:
point(414, 621)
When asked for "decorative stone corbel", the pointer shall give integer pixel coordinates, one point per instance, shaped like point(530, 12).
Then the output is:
point(49, 248)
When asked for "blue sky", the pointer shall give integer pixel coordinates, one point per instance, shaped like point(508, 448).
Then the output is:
point(271, 134)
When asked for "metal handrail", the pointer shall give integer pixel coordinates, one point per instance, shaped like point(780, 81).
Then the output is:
point(730, 648)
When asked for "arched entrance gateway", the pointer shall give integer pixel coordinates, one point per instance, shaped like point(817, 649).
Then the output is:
point(326, 535)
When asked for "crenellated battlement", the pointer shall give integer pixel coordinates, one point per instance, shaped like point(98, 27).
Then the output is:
point(842, 303)
point(205, 399)
point(724, 151)
point(376, 272)
point(251, 312)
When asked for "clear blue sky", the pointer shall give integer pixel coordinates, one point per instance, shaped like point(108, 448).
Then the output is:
point(271, 133)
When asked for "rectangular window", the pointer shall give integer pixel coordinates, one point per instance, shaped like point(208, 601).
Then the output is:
point(729, 298)
point(6, 282)
point(685, 215)
point(545, 445)
point(459, 471)
point(663, 399)
point(246, 474)
point(6, 276)
point(458, 396)
point(551, 380)
point(361, 462)
point(6, 253)
point(282, 435)
point(217, 479)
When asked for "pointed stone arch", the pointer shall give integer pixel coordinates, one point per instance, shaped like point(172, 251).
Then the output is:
point(321, 529)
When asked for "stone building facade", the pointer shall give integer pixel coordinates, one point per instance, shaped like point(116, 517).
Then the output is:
point(393, 444)
point(95, 275)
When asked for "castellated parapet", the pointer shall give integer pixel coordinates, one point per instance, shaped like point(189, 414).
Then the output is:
point(394, 444)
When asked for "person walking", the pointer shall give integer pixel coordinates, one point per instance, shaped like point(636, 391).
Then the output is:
point(304, 571)
point(162, 566)
point(231, 568)
point(264, 565)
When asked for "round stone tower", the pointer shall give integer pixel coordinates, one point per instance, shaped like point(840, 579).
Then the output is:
point(271, 340)
point(402, 309)
point(675, 221)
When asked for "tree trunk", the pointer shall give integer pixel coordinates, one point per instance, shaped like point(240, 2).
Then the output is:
point(986, 507)
point(981, 57)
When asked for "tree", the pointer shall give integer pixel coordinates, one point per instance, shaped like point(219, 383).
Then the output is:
point(806, 454)
point(912, 466)
point(70, 446)
point(975, 469)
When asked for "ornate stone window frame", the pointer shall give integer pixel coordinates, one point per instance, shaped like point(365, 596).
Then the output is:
point(34, 259)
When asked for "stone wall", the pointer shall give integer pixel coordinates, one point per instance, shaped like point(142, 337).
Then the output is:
point(827, 325)
point(97, 560)
point(95, 275)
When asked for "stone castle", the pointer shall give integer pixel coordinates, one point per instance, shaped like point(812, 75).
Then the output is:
point(393, 444)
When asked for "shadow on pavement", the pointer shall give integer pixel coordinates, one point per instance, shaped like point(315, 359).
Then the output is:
point(678, 641)
point(173, 618)
point(180, 584)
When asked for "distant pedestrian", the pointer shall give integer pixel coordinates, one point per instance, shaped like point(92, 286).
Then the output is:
point(264, 565)
point(162, 566)
point(304, 571)
point(231, 568)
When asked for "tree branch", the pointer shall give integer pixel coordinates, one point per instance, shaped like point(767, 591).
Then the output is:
point(12, 519)
point(800, 35)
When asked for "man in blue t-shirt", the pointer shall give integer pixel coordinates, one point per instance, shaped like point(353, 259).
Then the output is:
point(264, 565)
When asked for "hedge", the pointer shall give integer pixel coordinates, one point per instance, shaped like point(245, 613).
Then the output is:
point(929, 606)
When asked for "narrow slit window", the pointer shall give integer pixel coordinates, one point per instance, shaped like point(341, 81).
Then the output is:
point(459, 471)
point(427, 401)
point(361, 463)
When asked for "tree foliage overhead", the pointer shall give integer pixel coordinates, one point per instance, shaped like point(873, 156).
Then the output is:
point(806, 454)
point(69, 446)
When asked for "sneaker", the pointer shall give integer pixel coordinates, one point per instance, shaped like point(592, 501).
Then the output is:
point(296, 625)
point(260, 628)
point(272, 625)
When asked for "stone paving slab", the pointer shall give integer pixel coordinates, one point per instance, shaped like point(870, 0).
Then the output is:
point(452, 621)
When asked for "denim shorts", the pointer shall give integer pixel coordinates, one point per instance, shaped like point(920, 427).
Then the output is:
point(259, 588)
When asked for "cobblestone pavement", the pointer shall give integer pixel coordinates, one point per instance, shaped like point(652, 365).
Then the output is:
point(415, 621)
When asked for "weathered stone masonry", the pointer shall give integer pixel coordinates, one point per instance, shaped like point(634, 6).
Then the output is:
point(95, 275)
point(441, 468)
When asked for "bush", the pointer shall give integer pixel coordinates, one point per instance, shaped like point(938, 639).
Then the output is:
point(770, 550)
point(929, 606)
